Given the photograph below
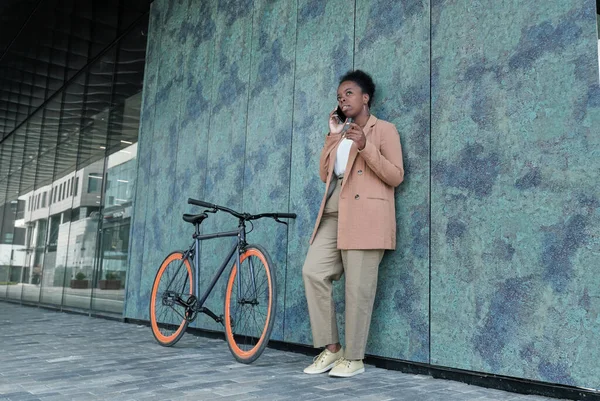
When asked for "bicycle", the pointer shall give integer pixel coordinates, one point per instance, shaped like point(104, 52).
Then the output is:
point(250, 293)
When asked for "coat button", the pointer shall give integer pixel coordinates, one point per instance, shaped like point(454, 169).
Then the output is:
point(356, 196)
point(359, 172)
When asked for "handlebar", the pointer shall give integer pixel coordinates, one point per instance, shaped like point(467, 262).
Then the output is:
point(242, 216)
point(201, 203)
point(273, 216)
point(216, 207)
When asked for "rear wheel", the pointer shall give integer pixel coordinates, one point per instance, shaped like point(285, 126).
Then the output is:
point(250, 301)
point(171, 290)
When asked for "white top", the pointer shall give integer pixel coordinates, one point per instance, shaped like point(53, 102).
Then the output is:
point(341, 159)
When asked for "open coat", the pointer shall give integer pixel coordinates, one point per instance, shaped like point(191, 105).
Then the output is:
point(367, 215)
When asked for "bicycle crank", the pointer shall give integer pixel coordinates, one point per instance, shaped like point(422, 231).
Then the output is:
point(190, 308)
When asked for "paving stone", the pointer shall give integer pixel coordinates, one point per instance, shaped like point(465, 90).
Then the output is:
point(51, 356)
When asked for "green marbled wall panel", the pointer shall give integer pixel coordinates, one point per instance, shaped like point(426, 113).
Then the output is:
point(515, 163)
point(323, 54)
point(392, 43)
point(226, 138)
point(199, 30)
point(269, 133)
point(162, 169)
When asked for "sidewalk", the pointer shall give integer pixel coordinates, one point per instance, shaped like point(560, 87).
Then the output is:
point(47, 355)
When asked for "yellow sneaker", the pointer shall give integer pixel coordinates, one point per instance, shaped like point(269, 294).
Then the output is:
point(347, 368)
point(324, 361)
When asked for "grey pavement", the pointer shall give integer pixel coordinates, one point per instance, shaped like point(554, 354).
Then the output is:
point(48, 355)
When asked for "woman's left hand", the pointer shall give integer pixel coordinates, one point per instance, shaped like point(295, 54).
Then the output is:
point(356, 134)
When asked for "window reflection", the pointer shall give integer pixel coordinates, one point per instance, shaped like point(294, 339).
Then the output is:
point(117, 206)
point(66, 201)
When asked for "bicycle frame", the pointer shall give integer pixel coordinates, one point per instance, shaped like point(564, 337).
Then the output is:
point(192, 253)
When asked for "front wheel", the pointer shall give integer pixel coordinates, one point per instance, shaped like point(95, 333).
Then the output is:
point(171, 291)
point(250, 301)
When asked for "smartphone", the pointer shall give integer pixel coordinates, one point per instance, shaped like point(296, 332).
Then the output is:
point(340, 114)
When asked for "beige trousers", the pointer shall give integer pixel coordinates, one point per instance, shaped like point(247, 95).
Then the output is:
point(325, 263)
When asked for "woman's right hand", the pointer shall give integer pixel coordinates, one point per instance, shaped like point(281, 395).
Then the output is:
point(335, 126)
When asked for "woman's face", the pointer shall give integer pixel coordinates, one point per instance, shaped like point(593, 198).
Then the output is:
point(351, 98)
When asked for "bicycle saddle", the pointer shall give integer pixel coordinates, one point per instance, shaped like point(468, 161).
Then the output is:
point(194, 218)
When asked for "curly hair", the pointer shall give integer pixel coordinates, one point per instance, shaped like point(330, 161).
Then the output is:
point(363, 80)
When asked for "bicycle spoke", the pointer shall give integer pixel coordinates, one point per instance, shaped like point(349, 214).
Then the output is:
point(244, 317)
point(257, 324)
point(261, 313)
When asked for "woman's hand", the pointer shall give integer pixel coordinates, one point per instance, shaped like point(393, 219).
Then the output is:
point(335, 126)
point(356, 134)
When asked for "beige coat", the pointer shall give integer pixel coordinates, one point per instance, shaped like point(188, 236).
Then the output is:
point(367, 215)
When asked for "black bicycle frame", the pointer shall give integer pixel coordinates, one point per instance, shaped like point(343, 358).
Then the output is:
point(192, 252)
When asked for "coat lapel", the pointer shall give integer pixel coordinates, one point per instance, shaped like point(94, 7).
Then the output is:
point(354, 149)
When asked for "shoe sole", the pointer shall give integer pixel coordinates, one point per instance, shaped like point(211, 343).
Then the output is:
point(316, 372)
point(356, 372)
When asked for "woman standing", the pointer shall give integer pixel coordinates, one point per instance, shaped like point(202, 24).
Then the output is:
point(361, 164)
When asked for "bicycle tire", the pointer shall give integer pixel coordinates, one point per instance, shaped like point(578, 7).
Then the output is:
point(168, 322)
point(247, 344)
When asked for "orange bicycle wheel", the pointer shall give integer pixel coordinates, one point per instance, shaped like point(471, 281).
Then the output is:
point(173, 282)
point(250, 301)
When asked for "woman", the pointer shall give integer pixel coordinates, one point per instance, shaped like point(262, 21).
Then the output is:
point(361, 164)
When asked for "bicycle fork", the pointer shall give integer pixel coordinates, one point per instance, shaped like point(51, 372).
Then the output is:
point(253, 299)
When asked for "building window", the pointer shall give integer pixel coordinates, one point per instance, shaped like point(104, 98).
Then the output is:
point(44, 199)
point(76, 186)
point(94, 183)
point(29, 235)
point(68, 188)
point(72, 182)
point(53, 232)
point(66, 216)
point(8, 238)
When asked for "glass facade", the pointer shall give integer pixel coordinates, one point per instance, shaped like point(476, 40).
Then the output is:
point(68, 157)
